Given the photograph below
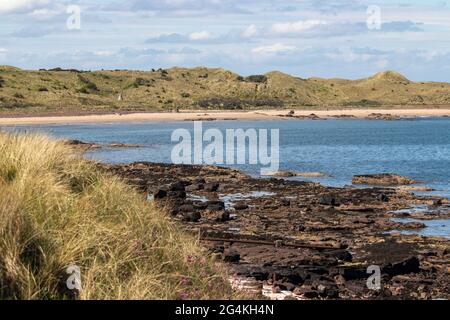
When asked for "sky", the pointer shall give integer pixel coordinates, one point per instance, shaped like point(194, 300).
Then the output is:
point(325, 38)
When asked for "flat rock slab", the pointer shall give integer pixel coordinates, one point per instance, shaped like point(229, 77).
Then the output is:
point(382, 179)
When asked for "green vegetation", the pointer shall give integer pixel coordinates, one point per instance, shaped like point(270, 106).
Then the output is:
point(57, 209)
point(59, 90)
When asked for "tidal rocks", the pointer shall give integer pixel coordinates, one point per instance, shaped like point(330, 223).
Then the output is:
point(81, 145)
point(122, 145)
point(186, 208)
point(240, 206)
point(160, 194)
point(410, 265)
point(328, 200)
point(382, 179)
point(211, 187)
point(224, 217)
point(231, 256)
point(382, 116)
point(261, 239)
point(383, 197)
point(289, 174)
point(194, 187)
point(90, 145)
point(415, 188)
point(215, 205)
point(178, 186)
point(192, 216)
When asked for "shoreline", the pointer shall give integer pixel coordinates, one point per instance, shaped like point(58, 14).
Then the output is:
point(211, 115)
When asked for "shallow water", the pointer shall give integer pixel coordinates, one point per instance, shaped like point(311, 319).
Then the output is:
point(418, 148)
point(229, 199)
point(436, 228)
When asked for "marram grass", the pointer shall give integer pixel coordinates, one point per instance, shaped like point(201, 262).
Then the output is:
point(57, 210)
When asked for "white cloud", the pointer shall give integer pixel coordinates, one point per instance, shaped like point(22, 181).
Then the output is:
point(104, 53)
point(297, 27)
point(273, 49)
point(202, 35)
point(3, 50)
point(11, 6)
point(251, 31)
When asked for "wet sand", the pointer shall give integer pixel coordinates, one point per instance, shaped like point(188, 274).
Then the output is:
point(220, 115)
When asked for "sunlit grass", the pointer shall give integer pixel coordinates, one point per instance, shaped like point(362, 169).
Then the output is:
point(57, 209)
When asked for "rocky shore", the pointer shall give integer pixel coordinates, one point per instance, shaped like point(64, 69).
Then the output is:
point(302, 240)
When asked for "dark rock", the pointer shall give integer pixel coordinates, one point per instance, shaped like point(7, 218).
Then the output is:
point(410, 265)
point(178, 186)
point(412, 226)
point(295, 276)
point(215, 205)
point(310, 294)
point(160, 194)
point(385, 293)
point(333, 294)
point(353, 273)
point(211, 187)
point(177, 194)
point(383, 197)
point(192, 216)
point(194, 187)
point(327, 200)
point(286, 286)
point(342, 255)
point(224, 217)
point(231, 256)
point(384, 179)
point(186, 208)
point(200, 205)
point(240, 206)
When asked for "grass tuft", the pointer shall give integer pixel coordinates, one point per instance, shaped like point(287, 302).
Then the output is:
point(57, 210)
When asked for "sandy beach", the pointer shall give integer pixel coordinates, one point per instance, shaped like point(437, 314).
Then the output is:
point(218, 115)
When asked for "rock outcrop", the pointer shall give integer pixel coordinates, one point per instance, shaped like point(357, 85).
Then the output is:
point(383, 179)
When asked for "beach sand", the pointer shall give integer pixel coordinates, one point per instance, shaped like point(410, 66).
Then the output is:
point(217, 115)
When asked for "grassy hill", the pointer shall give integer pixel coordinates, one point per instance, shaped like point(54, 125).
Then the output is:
point(75, 91)
point(57, 210)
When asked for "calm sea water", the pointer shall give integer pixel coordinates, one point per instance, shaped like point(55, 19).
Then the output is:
point(418, 148)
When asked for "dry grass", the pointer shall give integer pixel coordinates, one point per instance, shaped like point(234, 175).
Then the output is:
point(57, 209)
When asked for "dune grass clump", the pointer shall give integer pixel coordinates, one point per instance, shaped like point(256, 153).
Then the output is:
point(57, 210)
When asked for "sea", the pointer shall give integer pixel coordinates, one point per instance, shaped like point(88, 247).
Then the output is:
point(418, 148)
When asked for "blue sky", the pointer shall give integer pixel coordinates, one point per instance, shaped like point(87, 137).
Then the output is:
point(326, 38)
